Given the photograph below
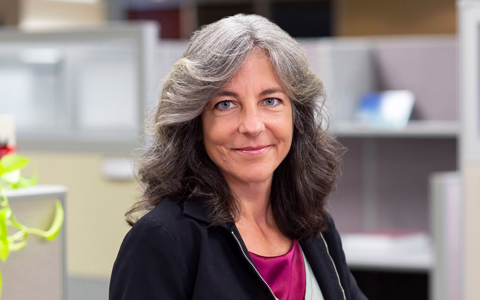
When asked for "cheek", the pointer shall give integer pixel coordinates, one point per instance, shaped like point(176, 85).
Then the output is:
point(285, 127)
point(207, 128)
point(208, 141)
point(215, 138)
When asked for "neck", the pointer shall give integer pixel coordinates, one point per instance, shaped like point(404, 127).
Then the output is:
point(256, 222)
point(254, 201)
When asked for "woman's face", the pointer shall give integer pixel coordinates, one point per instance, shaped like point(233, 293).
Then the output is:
point(248, 128)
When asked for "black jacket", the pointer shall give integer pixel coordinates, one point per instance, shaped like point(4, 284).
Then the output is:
point(171, 253)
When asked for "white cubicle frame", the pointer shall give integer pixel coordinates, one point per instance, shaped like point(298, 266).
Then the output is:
point(144, 36)
point(445, 219)
point(469, 158)
point(469, 80)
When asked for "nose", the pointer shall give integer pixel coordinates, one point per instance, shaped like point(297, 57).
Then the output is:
point(251, 122)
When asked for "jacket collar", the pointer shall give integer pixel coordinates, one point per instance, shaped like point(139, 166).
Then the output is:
point(195, 208)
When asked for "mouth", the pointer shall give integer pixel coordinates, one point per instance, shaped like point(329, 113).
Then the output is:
point(253, 150)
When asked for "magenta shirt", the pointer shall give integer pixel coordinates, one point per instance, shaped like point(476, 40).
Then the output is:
point(285, 274)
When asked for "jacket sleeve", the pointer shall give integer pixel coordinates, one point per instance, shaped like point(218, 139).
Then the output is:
point(149, 265)
point(351, 289)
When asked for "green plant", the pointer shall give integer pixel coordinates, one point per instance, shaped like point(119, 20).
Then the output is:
point(10, 177)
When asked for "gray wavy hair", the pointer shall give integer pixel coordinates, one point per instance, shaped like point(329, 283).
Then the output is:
point(176, 163)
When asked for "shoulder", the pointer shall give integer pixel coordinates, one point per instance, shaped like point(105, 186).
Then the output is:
point(167, 213)
point(175, 226)
point(167, 210)
point(156, 256)
point(169, 219)
point(163, 235)
point(155, 230)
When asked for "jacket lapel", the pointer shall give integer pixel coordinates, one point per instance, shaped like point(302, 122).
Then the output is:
point(322, 266)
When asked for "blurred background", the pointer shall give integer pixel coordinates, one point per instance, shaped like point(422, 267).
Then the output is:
point(79, 77)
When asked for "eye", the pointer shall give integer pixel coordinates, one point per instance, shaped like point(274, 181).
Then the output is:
point(271, 101)
point(224, 105)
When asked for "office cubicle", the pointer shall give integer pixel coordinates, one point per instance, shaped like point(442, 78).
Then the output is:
point(78, 89)
point(384, 202)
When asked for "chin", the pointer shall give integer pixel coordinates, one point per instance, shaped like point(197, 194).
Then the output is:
point(254, 177)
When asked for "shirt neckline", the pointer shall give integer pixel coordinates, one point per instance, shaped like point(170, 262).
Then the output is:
point(292, 247)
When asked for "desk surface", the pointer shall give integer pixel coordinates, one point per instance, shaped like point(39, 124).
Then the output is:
point(37, 191)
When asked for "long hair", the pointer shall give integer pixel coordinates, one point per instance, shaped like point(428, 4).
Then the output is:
point(176, 162)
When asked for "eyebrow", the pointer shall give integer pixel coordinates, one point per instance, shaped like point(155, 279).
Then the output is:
point(228, 93)
point(264, 93)
point(271, 91)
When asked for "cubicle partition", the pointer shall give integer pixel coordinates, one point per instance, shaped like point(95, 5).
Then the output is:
point(39, 270)
point(446, 224)
point(78, 90)
point(469, 31)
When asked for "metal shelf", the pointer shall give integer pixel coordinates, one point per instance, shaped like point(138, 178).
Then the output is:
point(414, 129)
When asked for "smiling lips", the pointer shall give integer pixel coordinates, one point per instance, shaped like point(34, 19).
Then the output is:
point(253, 150)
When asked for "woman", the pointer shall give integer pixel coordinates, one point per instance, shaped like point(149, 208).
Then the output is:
point(236, 180)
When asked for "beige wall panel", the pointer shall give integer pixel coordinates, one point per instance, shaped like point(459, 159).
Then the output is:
point(472, 231)
point(390, 17)
point(95, 209)
point(37, 14)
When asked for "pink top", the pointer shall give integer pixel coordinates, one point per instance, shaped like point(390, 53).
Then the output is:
point(285, 274)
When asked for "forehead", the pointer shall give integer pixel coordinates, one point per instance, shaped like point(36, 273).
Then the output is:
point(256, 72)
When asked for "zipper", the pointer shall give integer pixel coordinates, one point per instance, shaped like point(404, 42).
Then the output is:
point(333, 263)
point(253, 266)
